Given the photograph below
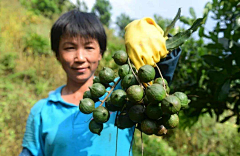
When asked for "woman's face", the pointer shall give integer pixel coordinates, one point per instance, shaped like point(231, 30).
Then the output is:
point(79, 57)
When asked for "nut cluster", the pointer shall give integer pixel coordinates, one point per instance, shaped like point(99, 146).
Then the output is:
point(144, 101)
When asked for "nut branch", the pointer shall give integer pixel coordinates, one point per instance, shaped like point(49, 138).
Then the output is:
point(109, 92)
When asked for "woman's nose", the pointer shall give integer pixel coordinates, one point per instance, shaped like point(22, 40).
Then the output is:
point(80, 57)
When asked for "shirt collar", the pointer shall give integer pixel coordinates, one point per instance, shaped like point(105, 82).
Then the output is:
point(55, 96)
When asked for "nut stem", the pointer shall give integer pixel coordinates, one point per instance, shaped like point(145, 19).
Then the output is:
point(129, 63)
point(102, 101)
point(164, 85)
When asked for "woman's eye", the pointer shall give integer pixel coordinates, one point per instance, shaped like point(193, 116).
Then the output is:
point(89, 47)
point(69, 48)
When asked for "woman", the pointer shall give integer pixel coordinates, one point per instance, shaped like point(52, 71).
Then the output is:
point(55, 126)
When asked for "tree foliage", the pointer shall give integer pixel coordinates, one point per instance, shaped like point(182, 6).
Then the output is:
point(81, 5)
point(210, 73)
point(122, 21)
point(102, 8)
point(46, 7)
point(164, 22)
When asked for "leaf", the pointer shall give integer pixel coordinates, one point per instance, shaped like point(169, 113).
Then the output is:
point(196, 24)
point(227, 32)
point(214, 46)
point(215, 2)
point(237, 23)
point(224, 91)
point(213, 36)
point(207, 8)
point(192, 12)
point(213, 60)
point(181, 37)
point(172, 23)
point(201, 32)
point(185, 20)
point(177, 40)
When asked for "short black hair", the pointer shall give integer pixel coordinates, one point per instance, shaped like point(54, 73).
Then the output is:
point(75, 23)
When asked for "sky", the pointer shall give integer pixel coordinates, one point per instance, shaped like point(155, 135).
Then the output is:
point(138, 9)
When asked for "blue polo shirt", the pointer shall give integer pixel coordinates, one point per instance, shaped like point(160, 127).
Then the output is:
point(57, 128)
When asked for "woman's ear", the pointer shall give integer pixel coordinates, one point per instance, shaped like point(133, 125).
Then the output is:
point(100, 57)
point(57, 57)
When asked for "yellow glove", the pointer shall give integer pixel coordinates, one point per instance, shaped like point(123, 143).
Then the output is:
point(144, 42)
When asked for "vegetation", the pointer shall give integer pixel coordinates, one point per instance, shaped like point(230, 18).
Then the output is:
point(47, 8)
point(102, 9)
point(208, 72)
point(121, 22)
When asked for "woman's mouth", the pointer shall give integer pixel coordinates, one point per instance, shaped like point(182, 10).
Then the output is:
point(80, 70)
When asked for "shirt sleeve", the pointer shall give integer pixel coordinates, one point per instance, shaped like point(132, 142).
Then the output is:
point(168, 65)
point(32, 139)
